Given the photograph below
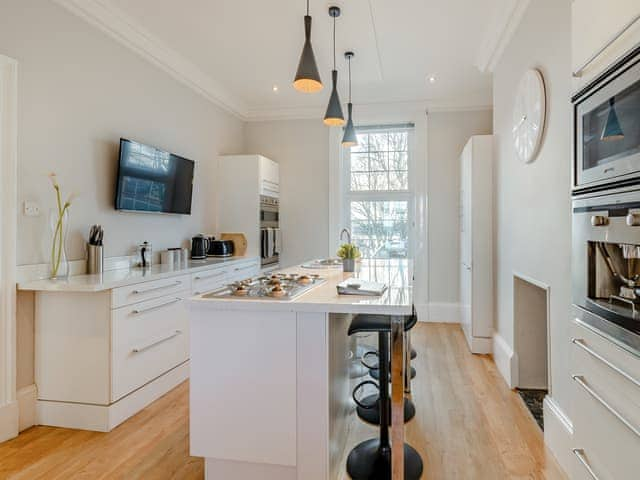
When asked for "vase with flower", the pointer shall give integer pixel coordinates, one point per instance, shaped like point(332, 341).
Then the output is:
point(59, 224)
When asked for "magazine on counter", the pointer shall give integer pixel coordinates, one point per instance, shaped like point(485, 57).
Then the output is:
point(354, 286)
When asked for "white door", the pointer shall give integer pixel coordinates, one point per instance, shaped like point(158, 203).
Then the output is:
point(465, 240)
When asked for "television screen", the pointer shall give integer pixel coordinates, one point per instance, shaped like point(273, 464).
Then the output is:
point(152, 180)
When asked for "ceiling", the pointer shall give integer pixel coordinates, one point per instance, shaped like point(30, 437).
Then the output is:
point(245, 47)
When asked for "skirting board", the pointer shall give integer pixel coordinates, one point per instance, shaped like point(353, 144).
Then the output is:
point(8, 421)
point(480, 345)
point(103, 418)
point(27, 397)
point(505, 359)
point(558, 432)
point(439, 312)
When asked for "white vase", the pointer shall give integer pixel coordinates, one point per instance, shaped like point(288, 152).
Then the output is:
point(58, 262)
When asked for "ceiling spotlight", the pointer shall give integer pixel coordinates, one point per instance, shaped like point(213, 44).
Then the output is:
point(274, 88)
point(431, 79)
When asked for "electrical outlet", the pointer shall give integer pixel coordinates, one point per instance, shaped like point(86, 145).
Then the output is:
point(31, 209)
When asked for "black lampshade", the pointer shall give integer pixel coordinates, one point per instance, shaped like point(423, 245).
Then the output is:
point(350, 138)
point(307, 76)
point(334, 116)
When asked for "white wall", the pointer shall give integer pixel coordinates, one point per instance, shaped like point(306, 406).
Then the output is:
point(532, 202)
point(448, 133)
point(79, 92)
point(301, 148)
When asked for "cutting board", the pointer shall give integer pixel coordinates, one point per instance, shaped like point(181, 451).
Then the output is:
point(239, 243)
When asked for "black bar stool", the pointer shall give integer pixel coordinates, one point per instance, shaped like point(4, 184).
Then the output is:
point(371, 459)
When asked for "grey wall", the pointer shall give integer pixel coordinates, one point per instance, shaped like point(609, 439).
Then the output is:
point(301, 148)
point(448, 133)
point(532, 202)
point(79, 92)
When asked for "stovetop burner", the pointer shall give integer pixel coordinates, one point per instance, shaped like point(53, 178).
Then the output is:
point(277, 286)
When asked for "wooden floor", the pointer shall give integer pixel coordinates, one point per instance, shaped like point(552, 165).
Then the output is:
point(468, 425)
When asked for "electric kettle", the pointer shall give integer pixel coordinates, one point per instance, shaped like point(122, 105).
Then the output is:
point(199, 247)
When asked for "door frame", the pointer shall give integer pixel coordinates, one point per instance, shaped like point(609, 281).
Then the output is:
point(8, 228)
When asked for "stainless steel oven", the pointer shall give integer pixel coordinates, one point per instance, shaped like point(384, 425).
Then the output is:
point(607, 128)
point(606, 256)
point(270, 236)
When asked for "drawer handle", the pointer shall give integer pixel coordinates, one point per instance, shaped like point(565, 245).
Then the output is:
point(153, 289)
point(578, 452)
point(138, 311)
point(581, 343)
point(580, 381)
point(156, 342)
point(238, 269)
point(213, 275)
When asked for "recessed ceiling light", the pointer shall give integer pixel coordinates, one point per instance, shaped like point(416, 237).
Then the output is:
point(274, 88)
point(431, 79)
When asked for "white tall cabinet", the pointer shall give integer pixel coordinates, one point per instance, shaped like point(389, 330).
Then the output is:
point(476, 242)
point(242, 179)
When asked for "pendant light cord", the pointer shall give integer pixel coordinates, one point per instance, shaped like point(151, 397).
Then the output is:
point(334, 43)
point(307, 8)
point(349, 79)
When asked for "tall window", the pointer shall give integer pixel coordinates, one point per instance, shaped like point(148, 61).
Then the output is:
point(379, 194)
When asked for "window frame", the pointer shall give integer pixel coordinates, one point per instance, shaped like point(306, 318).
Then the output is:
point(347, 195)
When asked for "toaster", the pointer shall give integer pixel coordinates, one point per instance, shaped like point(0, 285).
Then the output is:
point(220, 248)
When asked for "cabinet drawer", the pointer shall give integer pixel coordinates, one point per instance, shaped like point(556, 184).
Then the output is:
point(206, 281)
point(148, 290)
point(606, 403)
point(148, 339)
point(244, 270)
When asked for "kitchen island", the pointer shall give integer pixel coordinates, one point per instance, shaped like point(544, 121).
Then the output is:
point(270, 387)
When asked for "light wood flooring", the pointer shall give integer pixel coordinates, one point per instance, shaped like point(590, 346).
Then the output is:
point(468, 425)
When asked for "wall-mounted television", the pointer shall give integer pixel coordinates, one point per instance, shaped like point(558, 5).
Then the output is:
point(153, 180)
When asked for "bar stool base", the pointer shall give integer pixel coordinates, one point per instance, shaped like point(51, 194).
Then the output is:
point(372, 415)
point(368, 461)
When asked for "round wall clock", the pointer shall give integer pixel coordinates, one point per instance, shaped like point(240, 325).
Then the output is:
point(529, 112)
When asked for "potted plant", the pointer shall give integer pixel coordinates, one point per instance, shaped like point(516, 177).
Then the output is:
point(348, 252)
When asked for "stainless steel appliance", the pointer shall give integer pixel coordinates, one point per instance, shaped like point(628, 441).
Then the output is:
point(199, 247)
point(607, 128)
point(606, 256)
point(220, 248)
point(270, 237)
point(278, 286)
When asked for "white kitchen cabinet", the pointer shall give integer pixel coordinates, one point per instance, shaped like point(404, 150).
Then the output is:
point(594, 24)
point(476, 251)
point(242, 180)
point(606, 407)
point(269, 178)
point(107, 347)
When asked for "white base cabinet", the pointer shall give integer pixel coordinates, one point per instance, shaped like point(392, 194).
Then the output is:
point(476, 240)
point(606, 408)
point(102, 356)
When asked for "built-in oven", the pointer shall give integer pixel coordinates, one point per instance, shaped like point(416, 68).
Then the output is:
point(606, 256)
point(270, 236)
point(607, 128)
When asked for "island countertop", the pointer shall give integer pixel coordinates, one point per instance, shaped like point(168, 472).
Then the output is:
point(397, 299)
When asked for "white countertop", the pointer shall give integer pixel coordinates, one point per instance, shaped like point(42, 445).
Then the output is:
point(127, 276)
point(397, 300)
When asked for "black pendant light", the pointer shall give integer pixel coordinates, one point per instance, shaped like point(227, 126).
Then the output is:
point(350, 138)
point(612, 130)
point(307, 77)
point(334, 116)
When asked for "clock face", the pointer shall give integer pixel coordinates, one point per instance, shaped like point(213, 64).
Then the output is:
point(529, 115)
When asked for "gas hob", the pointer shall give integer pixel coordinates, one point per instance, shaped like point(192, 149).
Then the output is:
point(277, 286)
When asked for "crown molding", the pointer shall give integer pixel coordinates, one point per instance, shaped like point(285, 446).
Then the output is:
point(129, 33)
point(499, 33)
point(407, 108)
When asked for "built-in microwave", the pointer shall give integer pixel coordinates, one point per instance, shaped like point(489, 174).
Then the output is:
point(607, 128)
